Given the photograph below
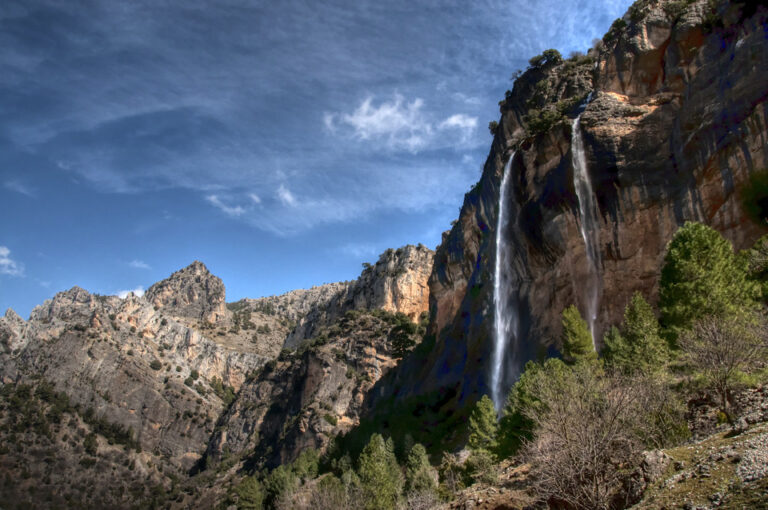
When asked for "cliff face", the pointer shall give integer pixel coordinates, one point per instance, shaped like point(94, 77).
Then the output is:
point(397, 283)
point(675, 126)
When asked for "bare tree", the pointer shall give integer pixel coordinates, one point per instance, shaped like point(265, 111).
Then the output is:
point(584, 445)
point(722, 348)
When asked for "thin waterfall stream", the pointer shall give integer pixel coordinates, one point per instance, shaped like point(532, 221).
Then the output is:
point(505, 320)
point(588, 223)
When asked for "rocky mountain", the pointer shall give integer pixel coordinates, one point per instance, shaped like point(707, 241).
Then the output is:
point(670, 111)
point(147, 378)
point(308, 396)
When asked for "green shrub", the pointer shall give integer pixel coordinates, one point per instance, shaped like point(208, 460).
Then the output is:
point(483, 426)
point(754, 197)
point(547, 58)
point(493, 126)
point(155, 365)
point(637, 347)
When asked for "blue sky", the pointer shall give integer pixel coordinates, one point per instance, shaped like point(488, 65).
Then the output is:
point(281, 143)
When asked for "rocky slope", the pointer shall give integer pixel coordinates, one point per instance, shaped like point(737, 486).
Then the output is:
point(140, 362)
point(675, 127)
point(308, 396)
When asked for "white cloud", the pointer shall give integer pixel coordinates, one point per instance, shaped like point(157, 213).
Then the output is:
point(469, 100)
point(138, 291)
point(19, 187)
point(465, 125)
point(401, 124)
point(226, 209)
point(139, 264)
point(359, 250)
point(8, 265)
point(285, 196)
point(256, 199)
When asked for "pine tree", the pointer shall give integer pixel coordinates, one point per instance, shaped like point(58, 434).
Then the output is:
point(418, 471)
point(577, 340)
point(483, 425)
point(702, 277)
point(380, 474)
point(250, 494)
point(637, 346)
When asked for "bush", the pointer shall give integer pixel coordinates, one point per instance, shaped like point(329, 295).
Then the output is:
point(493, 126)
point(419, 475)
point(548, 57)
point(155, 365)
point(250, 494)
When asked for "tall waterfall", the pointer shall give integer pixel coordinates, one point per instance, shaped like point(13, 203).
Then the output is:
point(588, 223)
point(505, 317)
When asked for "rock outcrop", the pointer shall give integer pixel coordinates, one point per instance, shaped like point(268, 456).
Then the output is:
point(192, 292)
point(396, 283)
point(308, 396)
point(675, 127)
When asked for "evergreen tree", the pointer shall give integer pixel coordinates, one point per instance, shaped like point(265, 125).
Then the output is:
point(702, 277)
point(250, 494)
point(483, 425)
point(638, 346)
point(380, 475)
point(280, 483)
point(418, 471)
point(514, 426)
point(577, 340)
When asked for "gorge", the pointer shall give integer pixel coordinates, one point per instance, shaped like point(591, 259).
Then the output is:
point(173, 398)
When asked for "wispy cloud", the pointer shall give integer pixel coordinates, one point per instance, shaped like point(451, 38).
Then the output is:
point(256, 199)
point(464, 124)
point(359, 250)
point(285, 196)
point(138, 291)
point(399, 123)
point(139, 264)
point(233, 211)
point(8, 266)
point(19, 187)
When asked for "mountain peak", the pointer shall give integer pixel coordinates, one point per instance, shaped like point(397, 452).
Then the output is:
point(191, 292)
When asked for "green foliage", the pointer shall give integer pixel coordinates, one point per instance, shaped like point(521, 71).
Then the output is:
point(155, 365)
point(483, 426)
point(90, 444)
point(380, 476)
point(280, 483)
point(493, 126)
point(224, 392)
point(637, 347)
point(702, 277)
point(577, 340)
point(547, 58)
point(306, 464)
point(403, 337)
point(250, 494)
point(481, 467)
point(541, 121)
point(330, 418)
point(756, 261)
point(515, 427)
point(617, 28)
point(754, 197)
point(418, 472)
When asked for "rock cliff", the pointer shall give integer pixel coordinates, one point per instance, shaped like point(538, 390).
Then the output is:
point(396, 283)
point(674, 127)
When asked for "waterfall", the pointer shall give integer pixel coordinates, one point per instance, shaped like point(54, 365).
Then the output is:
point(505, 317)
point(588, 223)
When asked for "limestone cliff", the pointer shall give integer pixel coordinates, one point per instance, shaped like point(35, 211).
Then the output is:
point(134, 363)
point(396, 283)
point(675, 126)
